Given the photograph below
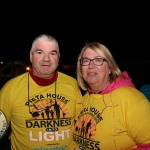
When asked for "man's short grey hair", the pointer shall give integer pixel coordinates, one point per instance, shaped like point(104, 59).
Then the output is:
point(44, 37)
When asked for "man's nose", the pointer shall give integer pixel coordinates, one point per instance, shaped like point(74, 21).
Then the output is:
point(46, 57)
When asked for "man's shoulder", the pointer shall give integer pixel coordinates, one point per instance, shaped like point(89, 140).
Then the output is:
point(14, 81)
point(64, 75)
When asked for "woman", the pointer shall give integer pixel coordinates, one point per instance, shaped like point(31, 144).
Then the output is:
point(113, 115)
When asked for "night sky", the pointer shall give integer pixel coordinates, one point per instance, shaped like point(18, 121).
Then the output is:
point(123, 27)
point(125, 43)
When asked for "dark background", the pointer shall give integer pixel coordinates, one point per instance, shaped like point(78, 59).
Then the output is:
point(122, 27)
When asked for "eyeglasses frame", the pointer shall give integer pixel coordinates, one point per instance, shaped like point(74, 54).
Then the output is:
point(92, 61)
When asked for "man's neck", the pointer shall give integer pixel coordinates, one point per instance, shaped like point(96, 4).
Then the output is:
point(43, 81)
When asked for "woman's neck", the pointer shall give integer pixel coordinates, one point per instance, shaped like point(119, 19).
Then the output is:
point(97, 89)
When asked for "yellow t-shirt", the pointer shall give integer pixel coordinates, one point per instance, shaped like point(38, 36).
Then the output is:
point(42, 117)
point(119, 120)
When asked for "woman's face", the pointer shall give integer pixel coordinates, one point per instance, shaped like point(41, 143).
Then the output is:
point(95, 75)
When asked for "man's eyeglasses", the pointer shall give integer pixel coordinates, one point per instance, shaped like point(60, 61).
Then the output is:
point(96, 61)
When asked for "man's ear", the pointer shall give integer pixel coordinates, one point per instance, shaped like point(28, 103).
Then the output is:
point(31, 53)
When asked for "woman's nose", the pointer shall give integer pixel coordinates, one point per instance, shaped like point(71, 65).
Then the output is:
point(91, 64)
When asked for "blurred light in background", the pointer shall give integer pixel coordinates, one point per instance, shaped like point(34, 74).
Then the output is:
point(28, 68)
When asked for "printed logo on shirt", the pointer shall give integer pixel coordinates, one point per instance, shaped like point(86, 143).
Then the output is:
point(3, 124)
point(85, 128)
point(50, 112)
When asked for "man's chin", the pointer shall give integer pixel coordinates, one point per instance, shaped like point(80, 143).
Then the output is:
point(47, 75)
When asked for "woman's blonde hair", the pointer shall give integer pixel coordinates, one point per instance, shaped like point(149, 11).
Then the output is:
point(105, 53)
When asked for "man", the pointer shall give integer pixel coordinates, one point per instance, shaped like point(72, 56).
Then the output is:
point(33, 96)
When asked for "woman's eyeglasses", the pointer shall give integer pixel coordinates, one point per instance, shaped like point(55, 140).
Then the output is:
point(96, 61)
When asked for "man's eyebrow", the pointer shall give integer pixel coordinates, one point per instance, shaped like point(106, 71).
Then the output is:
point(38, 49)
point(56, 51)
point(42, 50)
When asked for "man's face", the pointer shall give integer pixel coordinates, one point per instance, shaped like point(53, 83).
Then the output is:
point(44, 59)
